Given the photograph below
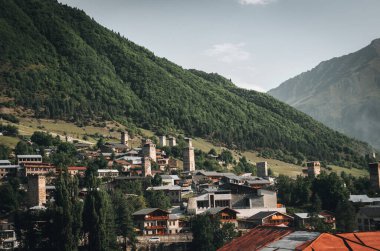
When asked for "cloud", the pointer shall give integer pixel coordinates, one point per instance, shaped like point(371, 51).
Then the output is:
point(228, 52)
point(256, 2)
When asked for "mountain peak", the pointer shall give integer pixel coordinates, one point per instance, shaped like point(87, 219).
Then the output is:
point(342, 93)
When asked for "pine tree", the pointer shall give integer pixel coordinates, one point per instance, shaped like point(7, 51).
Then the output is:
point(67, 220)
point(345, 216)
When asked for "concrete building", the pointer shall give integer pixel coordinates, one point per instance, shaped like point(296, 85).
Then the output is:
point(29, 158)
point(124, 137)
point(313, 169)
point(262, 169)
point(189, 157)
point(374, 175)
point(36, 190)
point(149, 150)
point(162, 140)
point(172, 141)
point(146, 167)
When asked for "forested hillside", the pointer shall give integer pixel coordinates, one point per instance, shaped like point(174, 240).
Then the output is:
point(343, 93)
point(61, 64)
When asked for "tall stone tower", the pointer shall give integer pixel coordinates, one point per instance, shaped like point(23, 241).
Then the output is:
point(262, 169)
point(146, 167)
point(36, 190)
point(374, 175)
point(188, 157)
point(172, 141)
point(124, 137)
point(313, 169)
point(149, 150)
point(162, 140)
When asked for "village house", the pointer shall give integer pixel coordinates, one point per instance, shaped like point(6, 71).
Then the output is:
point(224, 214)
point(170, 180)
point(267, 218)
point(303, 219)
point(155, 221)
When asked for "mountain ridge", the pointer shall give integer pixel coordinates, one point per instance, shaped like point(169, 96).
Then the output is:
point(342, 93)
point(61, 64)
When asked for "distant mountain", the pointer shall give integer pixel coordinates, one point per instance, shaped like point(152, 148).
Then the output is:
point(61, 64)
point(343, 93)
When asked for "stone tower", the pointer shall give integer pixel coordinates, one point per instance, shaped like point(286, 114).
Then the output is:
point(313, 169)
point(146, 167)
point(149, 150)
point(162, 140)
point(36, 190)
point(172, 142)
point(124, 137)
point(374, 175)
point(188, 157)
point(262, 169)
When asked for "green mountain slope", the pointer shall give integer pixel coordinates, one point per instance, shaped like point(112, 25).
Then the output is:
point(343, 93)
point(60, 63)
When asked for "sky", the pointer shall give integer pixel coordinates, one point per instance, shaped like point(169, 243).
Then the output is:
point(258, 44)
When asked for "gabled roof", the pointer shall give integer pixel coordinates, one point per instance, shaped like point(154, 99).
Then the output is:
point(371, 239)
point(216, 210)
point(264, 214)
point(360, 198)
point(256, 238)
point(328, 241)
point(146, 211)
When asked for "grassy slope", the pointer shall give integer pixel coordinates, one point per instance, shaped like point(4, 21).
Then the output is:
point(28, 125)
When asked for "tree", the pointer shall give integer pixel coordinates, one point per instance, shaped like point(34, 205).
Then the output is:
point(157, 180)
point(316, 204)
point(157, 199)
point(213, 152)
point(330, 189)
point(43, 139)
point(4, 151)
point(67, 220)
point(8, 198)
point(345, 216)
point(98, 213)
point(23, 148)
point(123, 217)
point(226, 156)
point(203, 233)
point(209, 233)
point(224, 233)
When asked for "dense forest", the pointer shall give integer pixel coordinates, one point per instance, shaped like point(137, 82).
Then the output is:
point(60, 63)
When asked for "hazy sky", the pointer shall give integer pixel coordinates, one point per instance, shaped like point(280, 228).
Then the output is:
point(257, 43)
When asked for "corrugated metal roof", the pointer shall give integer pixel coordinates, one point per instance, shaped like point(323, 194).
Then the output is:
point(256, 239)
point(146, 211)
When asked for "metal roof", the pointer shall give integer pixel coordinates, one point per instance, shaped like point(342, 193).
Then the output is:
point(146, 211)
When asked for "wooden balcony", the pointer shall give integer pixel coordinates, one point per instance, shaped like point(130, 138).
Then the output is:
point(156, 218)
point(156, 227)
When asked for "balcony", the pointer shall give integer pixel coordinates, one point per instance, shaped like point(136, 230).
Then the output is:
point(155, 227)
point(156, 218)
